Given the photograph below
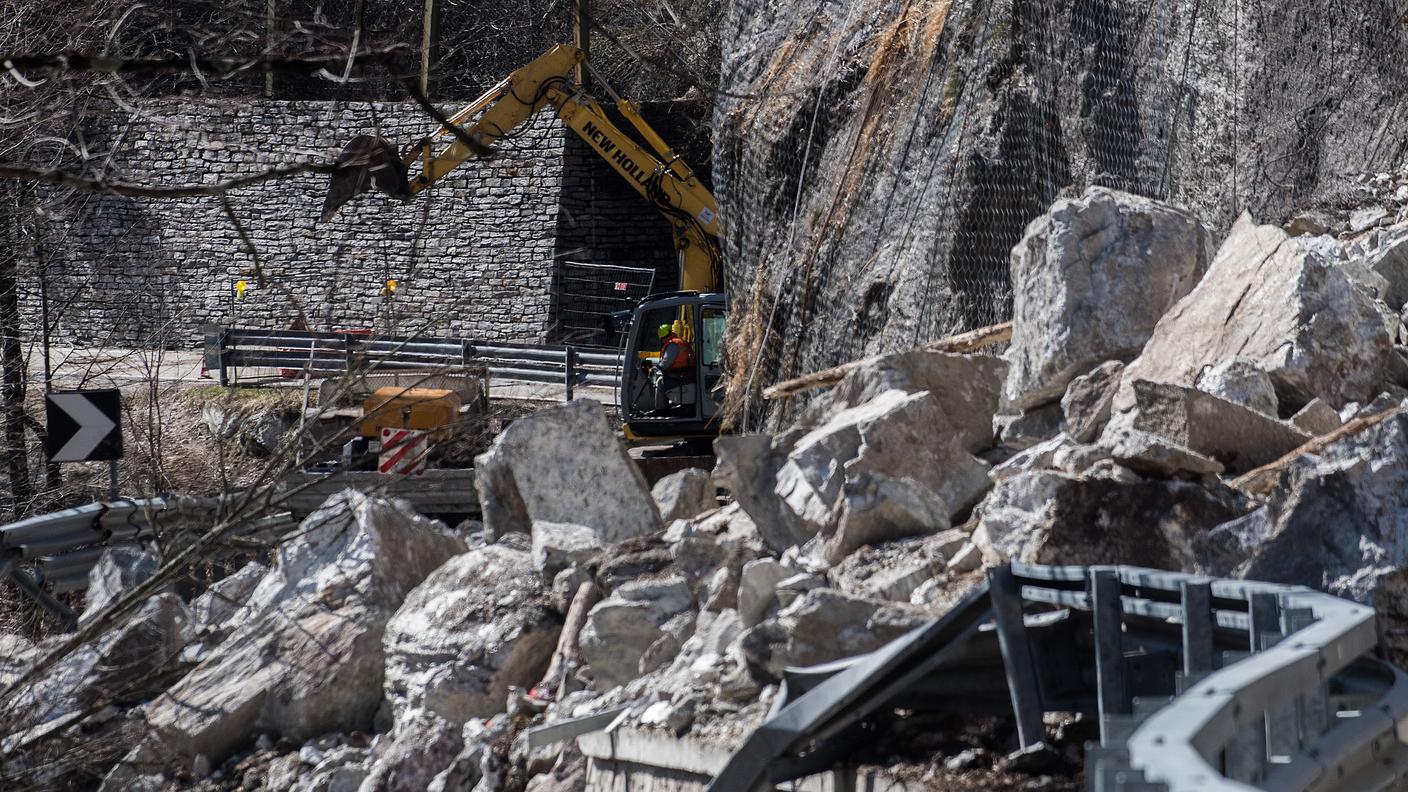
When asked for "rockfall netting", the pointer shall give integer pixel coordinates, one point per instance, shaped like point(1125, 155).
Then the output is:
point(877, 161)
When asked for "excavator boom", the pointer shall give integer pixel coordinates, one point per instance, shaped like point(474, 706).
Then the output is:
point(659, 399)
point(372, 164)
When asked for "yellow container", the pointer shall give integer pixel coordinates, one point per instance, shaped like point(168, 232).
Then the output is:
point(428, 409)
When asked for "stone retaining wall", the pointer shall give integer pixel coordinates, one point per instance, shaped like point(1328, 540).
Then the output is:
point(475, 256)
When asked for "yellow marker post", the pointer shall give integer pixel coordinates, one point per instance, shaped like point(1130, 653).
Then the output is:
point(241, 286)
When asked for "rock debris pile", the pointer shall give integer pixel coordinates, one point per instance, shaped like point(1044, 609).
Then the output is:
point(1234, 406)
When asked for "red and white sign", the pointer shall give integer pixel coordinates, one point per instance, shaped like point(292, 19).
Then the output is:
point(403, 452)
point(620, 286)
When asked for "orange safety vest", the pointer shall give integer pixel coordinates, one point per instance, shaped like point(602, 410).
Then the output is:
point(684, 360)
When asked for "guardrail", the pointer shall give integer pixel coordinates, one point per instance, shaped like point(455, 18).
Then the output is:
point(1199, 684)
point(63, 547)
point(228, 349)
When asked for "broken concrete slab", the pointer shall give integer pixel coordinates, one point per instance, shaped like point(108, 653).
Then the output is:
point(1090, 280)
point(564, 464)
point(1288, 311)
point(479, 624)
point(1238, 437)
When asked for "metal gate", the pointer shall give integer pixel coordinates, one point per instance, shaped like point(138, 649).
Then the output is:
point(586, 295)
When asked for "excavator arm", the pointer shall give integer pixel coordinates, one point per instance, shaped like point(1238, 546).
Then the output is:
point(658, 174)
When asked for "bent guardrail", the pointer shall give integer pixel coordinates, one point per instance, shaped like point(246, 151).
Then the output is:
point(227, 350)
point(1199, 684)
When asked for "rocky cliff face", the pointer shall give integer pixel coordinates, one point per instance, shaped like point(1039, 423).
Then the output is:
point(877, 161)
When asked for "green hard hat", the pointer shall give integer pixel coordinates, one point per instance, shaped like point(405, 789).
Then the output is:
point(663, 331)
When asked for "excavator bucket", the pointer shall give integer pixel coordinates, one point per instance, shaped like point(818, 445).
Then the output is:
point(367, 163)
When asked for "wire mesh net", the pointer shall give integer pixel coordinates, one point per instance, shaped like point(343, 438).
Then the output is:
point(877, 162)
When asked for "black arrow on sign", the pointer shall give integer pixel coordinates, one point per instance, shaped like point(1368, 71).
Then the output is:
point(84, 426)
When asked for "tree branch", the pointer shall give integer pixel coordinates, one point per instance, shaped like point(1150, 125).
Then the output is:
point(112, 64)
point(63, 178)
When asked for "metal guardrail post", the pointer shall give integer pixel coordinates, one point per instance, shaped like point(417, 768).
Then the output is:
point(1199, 652)
point(570, 360)
point(67, 618)
point(1112, 679)
point(1311, 707)
point(1017, 660)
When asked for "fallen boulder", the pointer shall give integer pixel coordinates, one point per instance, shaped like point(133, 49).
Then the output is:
point(684, 494)
point(118, 569)
point(968, 389)
point(407, 760)
point(129, 664)
point(623, 626)
point(891, 467)
point(1390, 261)
point(1240, 382)
point(1238, 437)
point(564, 464)
point(1336, 520)
point(1086, 404)
point(214, 607)
point(1090, 279)
point(1291, 313)
point(557, 546)
point(478, 624)
point(747, 465)
point(1020, 430)
point(822, 626)
point(1150, 454)
point(1106, 517)
point(306, 658)
point(894, 570)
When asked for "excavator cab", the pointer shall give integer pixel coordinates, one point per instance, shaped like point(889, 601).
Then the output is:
point(672, 375)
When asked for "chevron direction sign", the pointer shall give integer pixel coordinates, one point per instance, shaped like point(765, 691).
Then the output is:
point(84, 426)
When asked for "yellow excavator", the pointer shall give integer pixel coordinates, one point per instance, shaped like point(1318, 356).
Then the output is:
point(674, 343)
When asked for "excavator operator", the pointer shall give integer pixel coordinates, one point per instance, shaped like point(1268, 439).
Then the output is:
point(674, 367)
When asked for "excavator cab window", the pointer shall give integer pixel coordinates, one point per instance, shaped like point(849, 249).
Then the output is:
point(674, 366)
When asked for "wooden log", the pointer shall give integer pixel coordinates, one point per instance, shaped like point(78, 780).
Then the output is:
point(962, 343)
point(568, 645)
point(1261, 481)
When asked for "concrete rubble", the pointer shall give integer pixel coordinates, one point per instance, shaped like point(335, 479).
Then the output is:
point(1239, 418)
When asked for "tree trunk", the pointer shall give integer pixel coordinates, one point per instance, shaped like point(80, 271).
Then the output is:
point(12, 373)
